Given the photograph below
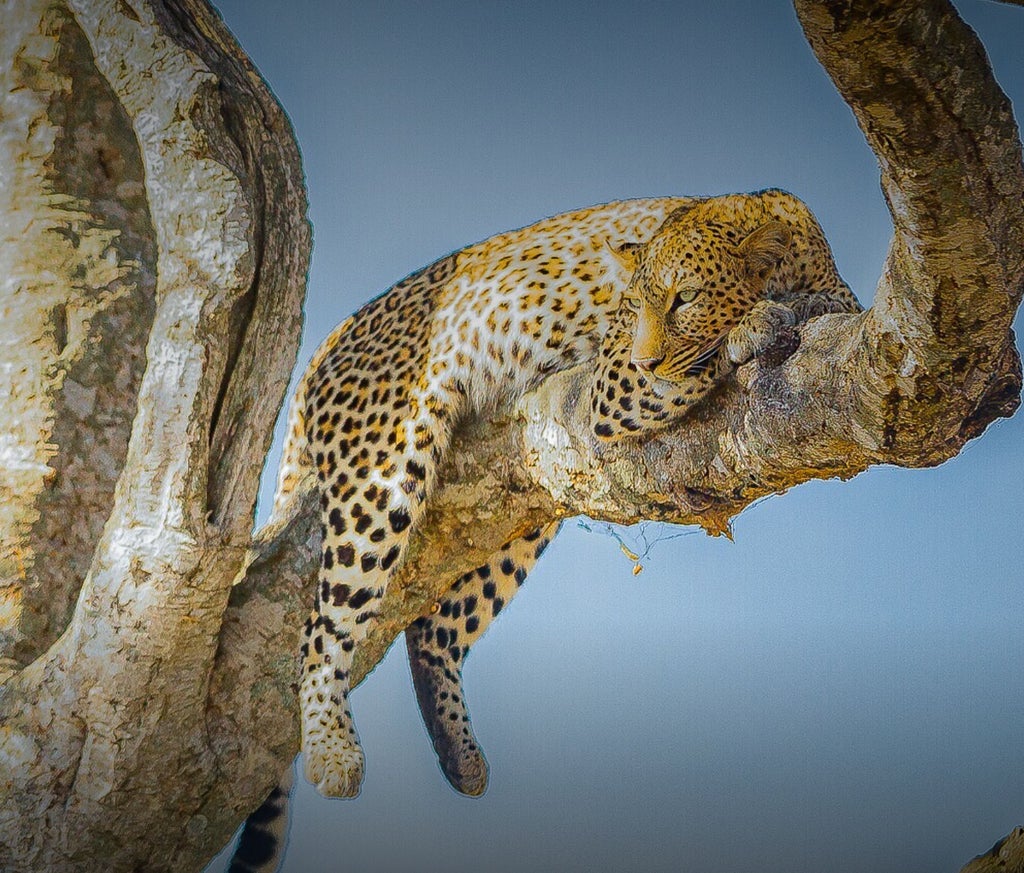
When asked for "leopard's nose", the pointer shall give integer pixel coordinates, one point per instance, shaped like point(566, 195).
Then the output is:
point(648, 365)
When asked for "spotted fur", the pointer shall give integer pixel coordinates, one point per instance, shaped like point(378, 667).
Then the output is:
point(474, 331)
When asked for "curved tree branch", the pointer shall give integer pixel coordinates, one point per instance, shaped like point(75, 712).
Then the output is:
point(67, 135)
point(1006, 856)
point(908, 382)
point(108, 726)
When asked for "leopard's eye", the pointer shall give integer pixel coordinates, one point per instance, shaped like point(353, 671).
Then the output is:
point(683, 297)
point(631, 303)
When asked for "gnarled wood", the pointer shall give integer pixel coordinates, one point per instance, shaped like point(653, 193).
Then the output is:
point(104, 736)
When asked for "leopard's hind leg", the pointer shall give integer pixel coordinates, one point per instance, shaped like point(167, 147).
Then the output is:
point(376, 430)
point(439, 641)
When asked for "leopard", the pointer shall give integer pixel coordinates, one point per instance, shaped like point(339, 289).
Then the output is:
point(661, 297)
point(711, 289)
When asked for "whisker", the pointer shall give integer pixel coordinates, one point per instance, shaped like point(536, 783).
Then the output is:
point(700, 363)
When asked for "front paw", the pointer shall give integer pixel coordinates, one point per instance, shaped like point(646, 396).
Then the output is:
point(765, 324)
point(335, 766)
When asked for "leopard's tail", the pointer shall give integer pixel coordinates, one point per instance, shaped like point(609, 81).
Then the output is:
point(264, 836)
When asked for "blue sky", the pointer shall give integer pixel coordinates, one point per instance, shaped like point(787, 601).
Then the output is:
point(840, 688)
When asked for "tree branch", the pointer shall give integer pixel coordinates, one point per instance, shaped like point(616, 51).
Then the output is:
point(65, 134)
point(909, 382)
point(1006, 856)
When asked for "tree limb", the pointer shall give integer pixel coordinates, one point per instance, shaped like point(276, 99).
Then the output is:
point(908, 382)
point(108, 727)
point(1006, 856)
point(66, 134)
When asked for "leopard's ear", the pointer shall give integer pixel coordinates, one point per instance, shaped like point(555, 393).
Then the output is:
point(627, 254)
point(763, 248)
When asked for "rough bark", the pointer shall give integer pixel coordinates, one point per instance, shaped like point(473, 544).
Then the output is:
point(74, 204)
point(142, 736)
point(1006, 856)
point(165, 222)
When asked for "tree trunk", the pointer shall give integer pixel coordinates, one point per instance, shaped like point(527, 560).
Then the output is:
point(154, 253)
point(155, 249)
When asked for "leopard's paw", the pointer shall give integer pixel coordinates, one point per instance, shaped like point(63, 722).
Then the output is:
point(335, 766)
point(466, 769)
point(758, 331)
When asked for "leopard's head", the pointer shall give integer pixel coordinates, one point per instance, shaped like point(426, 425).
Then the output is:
point(692, 282)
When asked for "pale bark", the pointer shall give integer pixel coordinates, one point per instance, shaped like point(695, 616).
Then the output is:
point(161, 717)
point(72, 204)
point(105, 753)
